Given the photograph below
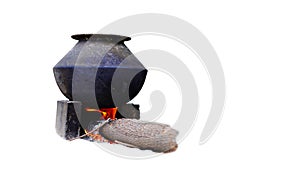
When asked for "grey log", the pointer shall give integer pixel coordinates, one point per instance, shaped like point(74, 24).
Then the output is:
point(143, 135)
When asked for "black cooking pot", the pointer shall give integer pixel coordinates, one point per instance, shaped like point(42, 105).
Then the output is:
point(101, 69)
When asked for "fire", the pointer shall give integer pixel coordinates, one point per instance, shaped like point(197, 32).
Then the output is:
point(106, 112)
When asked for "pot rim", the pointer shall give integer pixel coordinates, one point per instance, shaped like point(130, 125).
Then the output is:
point(101, 37)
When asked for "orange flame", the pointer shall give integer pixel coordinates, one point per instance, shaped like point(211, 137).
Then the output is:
point(106, 112)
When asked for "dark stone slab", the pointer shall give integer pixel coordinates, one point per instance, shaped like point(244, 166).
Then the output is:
point(67, 123)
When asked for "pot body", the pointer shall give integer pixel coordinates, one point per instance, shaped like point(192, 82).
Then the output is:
point(100, 70)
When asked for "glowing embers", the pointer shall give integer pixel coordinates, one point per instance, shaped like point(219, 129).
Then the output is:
point(93, 132)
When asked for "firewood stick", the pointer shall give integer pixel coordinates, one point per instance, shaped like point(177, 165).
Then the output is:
point(90, 132)
point(143, 135)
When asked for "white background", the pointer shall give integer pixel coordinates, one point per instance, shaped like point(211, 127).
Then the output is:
point(257, 42)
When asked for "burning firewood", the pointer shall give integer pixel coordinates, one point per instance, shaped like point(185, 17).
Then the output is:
point(128, 132)
point(133, 133)
point(140, 134)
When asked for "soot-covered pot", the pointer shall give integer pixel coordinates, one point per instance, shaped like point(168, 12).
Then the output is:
point(100, 71)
